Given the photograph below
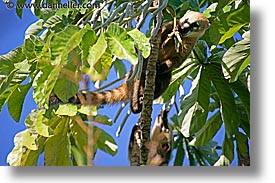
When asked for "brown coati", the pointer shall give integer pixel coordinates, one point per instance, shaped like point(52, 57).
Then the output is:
point(190, 27)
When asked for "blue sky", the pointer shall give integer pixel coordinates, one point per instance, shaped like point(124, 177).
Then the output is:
point(12, 35)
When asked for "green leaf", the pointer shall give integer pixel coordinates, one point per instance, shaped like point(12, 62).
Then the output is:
point(141, 42)
point(44, 83)
point(65, 89)
point(242, 148)
point(230, 33)
point(119, 68)
point(240, 16)
point(237, 58)
point(88, 110)
point(66, 110)
point(16, 100)
point(18, 9)
point(62, 43)
point(208, 152)
point(244, 94)
point(79, 156)
point(207, 131)
point(228, 107)
point(88, 40)
point(102, 119)
point(194, 108)
point(121, 44)
point(57, 147)
point(200, 50)
point(97, 50)
point(28, 140)
point(105, 142)
point(23, 141)
point(35, 28)
point(5, 96)
point(37, 123)
point(227, 153)
point(9, 74)
point(79, 132)
point(178, 78)
point(101, 69)
point(180, 154)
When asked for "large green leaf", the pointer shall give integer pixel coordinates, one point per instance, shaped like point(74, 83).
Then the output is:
point(237, 58)
point(57, 147)
point(240, 16)
point(65, 88)
point(208, 131)
point(16, 100)
point(230, 33)
point(35, 28)
point(208, 152)
point(62, 43)
point(88, 39)
point(121, 44)
point(194, 108)
point(228, 108)
point(244, 94)
point(119, 68)
point(79, 132)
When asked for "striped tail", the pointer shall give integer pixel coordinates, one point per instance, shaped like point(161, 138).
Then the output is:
point(95, 98)
point(109, 97)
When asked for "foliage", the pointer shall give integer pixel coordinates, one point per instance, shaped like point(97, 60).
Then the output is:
point(65, 44)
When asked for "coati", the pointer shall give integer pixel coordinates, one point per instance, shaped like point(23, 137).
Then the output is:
point(160, 145)
point(190, 27)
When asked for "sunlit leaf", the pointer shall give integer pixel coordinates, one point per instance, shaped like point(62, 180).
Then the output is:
point(141, 42)
point(236, 58)
point(88, 39)
point(37, 123)
point(121, 44)
point(66, 110)
point(101, 69)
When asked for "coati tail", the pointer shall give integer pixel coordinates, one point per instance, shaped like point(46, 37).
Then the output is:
point(109, 97)
point(95, 98)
